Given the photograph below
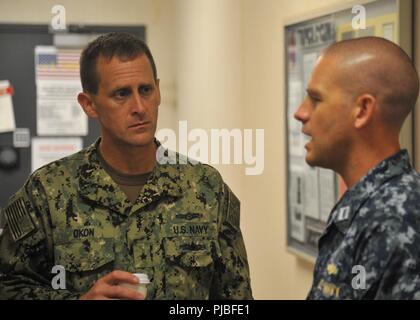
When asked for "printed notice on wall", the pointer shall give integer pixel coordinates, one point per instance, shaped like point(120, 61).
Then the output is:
point(7, 116)
point(57, 84)
point(297, 217)
point(46, 150)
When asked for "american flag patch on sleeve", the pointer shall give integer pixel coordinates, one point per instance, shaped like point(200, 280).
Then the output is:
point(19, 219)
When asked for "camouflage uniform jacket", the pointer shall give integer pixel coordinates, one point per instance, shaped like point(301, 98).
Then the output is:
point(371, 246)
point(183, 231)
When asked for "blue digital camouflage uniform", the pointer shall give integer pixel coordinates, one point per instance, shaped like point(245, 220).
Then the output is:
point(371, 246)
point(183, 232)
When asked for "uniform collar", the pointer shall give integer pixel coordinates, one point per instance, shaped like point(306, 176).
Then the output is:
point(97, 186)
point(345, 210)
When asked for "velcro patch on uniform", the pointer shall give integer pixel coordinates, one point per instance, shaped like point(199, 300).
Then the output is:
point(188, 229)
point(19, 220)
point(343, 214)
point(233, 214)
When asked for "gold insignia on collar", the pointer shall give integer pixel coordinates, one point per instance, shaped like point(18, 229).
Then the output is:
point(332, 269)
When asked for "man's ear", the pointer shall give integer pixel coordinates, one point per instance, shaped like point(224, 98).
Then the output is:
point(86, 102)
point(364, 110)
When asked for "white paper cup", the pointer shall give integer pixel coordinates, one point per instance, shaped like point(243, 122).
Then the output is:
point(141, 286)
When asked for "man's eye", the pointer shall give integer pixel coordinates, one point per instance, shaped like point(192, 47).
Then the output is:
point(314, 100)
point(121, 94)
point(145, 90)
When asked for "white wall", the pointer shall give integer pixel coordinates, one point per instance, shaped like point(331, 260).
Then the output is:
point(209, 69)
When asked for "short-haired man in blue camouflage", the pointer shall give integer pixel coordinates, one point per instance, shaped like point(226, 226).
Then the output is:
point(114, 209)
point(359, 95)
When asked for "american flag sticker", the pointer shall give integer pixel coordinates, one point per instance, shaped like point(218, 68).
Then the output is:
point(56, 64)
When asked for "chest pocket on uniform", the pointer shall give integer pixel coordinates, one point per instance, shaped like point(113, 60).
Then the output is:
point(188, 252)
point(85, 261)
point(189, 267)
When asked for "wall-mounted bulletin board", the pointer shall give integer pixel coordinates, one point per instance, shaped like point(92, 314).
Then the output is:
point(312, 192)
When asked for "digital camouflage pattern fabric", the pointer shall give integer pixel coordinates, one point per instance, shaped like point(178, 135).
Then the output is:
point(183, 232)
point(371, 246)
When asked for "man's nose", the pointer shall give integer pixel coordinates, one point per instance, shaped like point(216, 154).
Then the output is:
point(137, 104)
point(302, 113)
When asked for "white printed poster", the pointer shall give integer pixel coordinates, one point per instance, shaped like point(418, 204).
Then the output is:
point(327, 191)
point(297, 217)
point(7, 116)
point(58, 84)
point(296, 138)
point(309, 61)
point(46, 150)
point(311, 192)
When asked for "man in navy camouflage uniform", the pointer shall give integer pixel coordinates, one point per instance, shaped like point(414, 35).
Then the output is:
point(359, 95)
point(123, 205)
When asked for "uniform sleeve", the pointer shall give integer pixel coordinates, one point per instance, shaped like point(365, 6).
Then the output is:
point(25, 257)
point(232, 280)
point(392, 264)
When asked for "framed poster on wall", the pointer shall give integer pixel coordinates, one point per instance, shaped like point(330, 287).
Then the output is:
point(312, 192)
